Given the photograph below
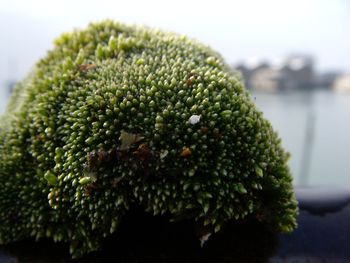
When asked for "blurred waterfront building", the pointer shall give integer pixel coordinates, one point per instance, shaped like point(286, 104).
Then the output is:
point(297, 73)
point(342, 83)
point(249, 69)
point(266, 79)
point(326, 79)
point(292, 73)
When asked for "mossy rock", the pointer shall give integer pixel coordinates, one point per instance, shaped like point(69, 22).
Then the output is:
point(116, 116)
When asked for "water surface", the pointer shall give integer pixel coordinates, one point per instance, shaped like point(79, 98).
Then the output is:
point(315, 129)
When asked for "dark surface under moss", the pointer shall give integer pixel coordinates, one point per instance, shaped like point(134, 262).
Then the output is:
point(322, 236)
point(145, 238)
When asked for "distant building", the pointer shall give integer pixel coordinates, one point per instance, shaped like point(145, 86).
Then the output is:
point(266, 79)
point(248, 71)
point(342, 83)
point(294, 73)
point(245, 74)
point(326, 79)
point(297, 73)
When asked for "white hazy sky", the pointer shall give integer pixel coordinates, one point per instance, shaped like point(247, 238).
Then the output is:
point(238, 29)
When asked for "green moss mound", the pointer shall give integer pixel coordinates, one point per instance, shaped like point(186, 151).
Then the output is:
point(116, 116)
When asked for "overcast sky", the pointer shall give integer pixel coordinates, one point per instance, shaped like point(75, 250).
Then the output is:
point(238, 29)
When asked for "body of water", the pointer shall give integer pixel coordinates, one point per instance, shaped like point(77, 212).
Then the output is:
point(315, 129)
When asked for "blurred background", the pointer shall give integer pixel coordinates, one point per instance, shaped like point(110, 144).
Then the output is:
point(294, 56)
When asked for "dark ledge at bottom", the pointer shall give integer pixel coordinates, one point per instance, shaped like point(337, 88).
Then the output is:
point(323, 235)
point(144, 238)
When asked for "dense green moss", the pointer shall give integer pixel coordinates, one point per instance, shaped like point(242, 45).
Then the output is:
point(119, 115)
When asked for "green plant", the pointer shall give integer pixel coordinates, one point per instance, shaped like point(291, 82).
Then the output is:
point(118, 115)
